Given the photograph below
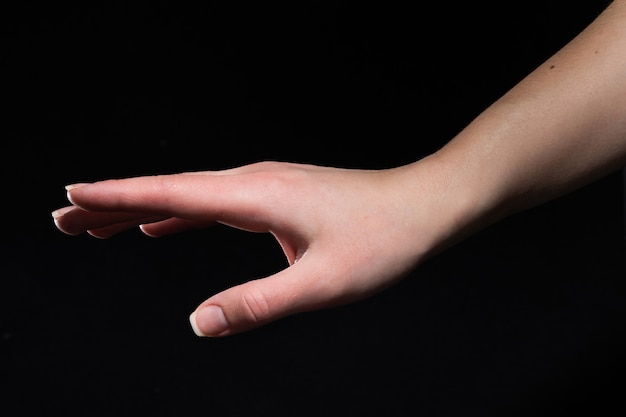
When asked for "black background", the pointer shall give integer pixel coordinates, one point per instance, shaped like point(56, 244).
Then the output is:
point(525, 318)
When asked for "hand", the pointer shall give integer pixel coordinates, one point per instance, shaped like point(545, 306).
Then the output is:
point(346, 234)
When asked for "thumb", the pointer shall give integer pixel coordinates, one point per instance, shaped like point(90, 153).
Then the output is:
point(259, 302)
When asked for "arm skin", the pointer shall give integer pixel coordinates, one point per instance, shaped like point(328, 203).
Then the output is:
point(347, 234)
point(561, 127)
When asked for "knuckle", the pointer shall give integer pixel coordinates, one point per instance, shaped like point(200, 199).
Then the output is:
point(166, 183)
point(166, 190)
point(256, 308)
point(269, 165)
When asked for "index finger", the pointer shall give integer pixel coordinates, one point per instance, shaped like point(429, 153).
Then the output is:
point(244, 200)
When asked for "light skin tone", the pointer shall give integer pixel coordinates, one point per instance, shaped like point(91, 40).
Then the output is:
point(350, 233)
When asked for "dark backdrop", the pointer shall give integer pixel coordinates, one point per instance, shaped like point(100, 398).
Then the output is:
point(525, 318)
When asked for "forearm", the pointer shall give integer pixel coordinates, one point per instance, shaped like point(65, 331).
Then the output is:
point(561, 127)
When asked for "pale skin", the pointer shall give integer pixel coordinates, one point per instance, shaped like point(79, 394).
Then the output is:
point(349, 233)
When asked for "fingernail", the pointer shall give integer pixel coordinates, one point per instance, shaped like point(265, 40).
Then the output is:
point(60, 212)
point(56, 214)
point(209, 321)
point(71, 187)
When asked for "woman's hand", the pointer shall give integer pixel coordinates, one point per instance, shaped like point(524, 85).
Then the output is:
point(346, 233)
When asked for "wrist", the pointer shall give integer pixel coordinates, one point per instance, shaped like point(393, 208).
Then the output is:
point(443, 204)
